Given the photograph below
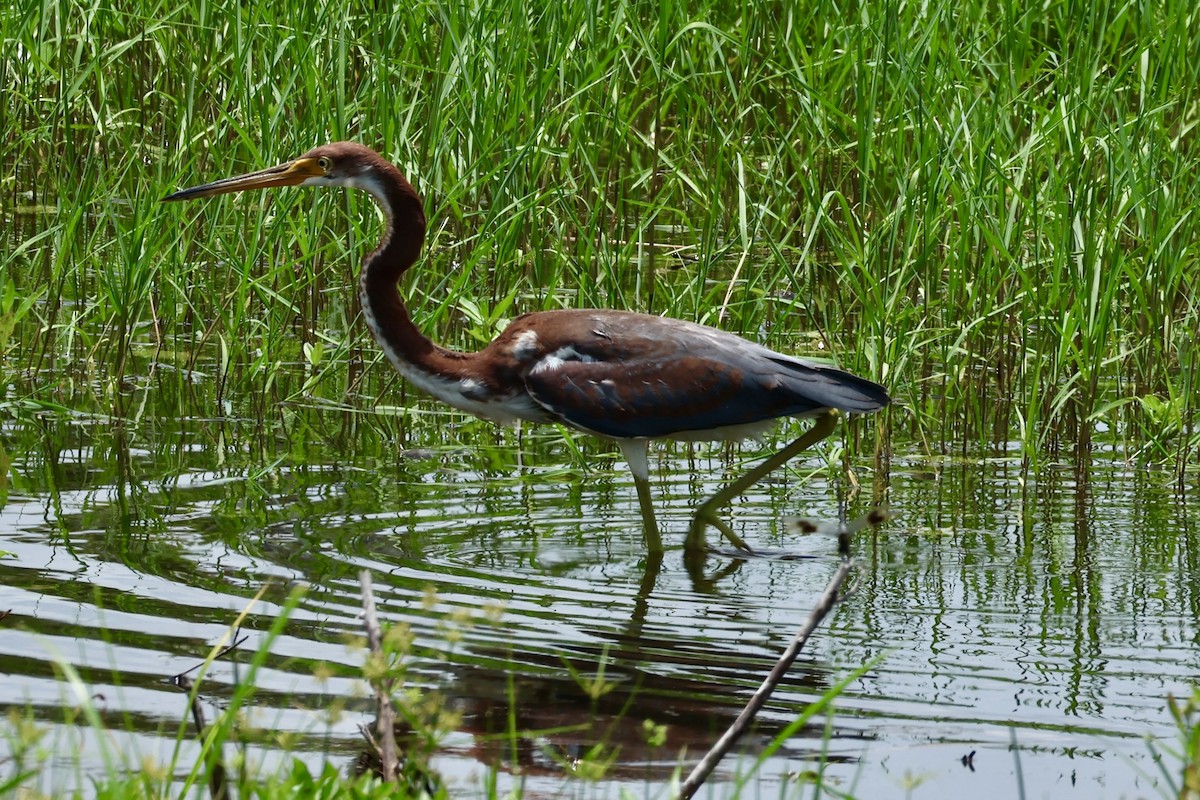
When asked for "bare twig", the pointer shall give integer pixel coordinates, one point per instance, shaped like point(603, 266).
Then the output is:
point(218, 782)
point(218, 779)
point(723, 745)
point(238, 641)
point(386, 725)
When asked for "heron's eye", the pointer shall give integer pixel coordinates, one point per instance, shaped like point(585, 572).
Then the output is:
point(324, 163)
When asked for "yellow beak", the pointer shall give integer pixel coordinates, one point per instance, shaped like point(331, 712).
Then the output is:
point(291, 173)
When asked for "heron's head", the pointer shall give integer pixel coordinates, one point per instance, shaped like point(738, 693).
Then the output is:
point(346, 164)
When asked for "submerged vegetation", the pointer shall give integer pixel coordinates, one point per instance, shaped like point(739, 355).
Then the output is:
point(991, 209)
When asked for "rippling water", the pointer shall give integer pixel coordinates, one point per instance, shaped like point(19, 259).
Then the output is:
point(1053, 609)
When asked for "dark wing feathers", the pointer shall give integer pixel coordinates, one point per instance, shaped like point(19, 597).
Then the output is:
point(628, 399)
point(837, 388)
point(634, 375)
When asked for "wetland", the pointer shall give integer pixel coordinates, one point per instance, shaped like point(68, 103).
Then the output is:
point(994, 215)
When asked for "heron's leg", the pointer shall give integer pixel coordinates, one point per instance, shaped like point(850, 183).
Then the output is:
point(649, 523)
point(635, 452)
point(706, 514)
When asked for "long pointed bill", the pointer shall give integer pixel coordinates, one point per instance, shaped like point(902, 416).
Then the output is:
point(292, 173)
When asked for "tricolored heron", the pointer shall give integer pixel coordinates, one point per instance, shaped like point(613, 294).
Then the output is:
point(622, 376)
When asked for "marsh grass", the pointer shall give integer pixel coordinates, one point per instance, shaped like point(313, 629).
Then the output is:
point(990, 210)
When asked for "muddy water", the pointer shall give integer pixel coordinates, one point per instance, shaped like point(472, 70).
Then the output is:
point(1037, 618)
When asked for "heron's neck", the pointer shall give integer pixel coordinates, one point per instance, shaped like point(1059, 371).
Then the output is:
point(409, 350)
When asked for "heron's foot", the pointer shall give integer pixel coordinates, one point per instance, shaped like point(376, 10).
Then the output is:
point(695, 542)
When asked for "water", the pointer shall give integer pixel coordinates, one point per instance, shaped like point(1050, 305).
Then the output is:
point(1038, 620)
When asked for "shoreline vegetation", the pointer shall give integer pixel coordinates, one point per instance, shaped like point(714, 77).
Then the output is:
point(990, 209)
point(995, 218)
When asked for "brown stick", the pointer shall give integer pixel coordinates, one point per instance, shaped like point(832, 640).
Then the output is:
point(386, 724)
point(218, 778)
point(723, 745)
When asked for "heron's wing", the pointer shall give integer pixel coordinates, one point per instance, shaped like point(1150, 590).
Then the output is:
point(643, 398)
point(626, 375)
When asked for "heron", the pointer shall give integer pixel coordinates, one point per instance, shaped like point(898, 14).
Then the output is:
point(623, 376)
